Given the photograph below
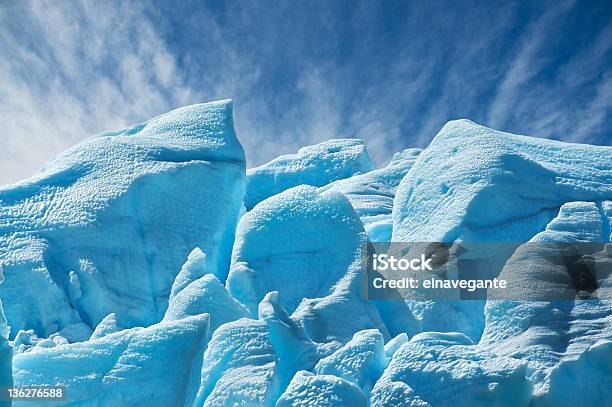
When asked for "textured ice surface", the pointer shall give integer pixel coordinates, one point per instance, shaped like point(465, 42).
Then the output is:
point(195, 292)
point(361, 361)
point(372, 194)
point(445, 369)
point(307, 389)
point(299, 236)
point(240, 366)
point(313, 240)
point(250, 362)
point(476, 184)
point(394, 344)
point(76, 332)
point(294, 349)
point(581, 381)
point(159, 365)
point(556, 336)
point(135, 227)
point(121, 211)
point(107, 326)
point(315, 165)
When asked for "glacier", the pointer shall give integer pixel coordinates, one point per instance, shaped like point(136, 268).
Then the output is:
point(129, 367)
point(316, 165)
point(149, 266)
point(104, 227)
point(371, 194)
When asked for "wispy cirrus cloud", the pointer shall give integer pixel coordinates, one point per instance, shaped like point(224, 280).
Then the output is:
point(68, 70)
point(567, 99)
point(389, 72)
point(530, 59)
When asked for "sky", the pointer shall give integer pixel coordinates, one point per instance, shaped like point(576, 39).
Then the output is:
point(301, 72)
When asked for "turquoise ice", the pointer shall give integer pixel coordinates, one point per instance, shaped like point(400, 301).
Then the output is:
point(147, 266)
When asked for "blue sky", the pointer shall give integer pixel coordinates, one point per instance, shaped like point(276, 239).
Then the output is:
point(300, 72)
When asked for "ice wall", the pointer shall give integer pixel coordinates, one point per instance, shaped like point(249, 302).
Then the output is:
point(315, 165)
point(130, 279)
point(105, 226)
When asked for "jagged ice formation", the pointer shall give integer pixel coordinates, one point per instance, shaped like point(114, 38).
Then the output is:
point(147, 266)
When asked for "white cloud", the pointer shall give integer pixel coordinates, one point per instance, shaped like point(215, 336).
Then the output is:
point(77, 69)
point(527, 64)
point(72, 69)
